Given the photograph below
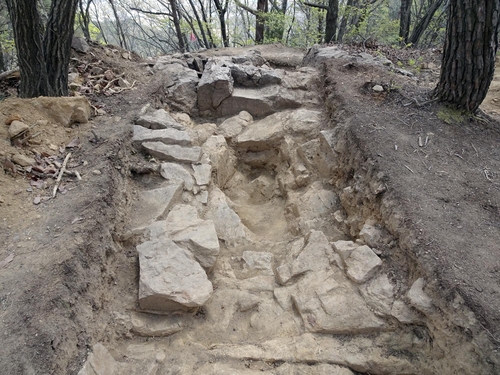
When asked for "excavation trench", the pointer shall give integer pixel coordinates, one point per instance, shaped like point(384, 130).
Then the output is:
point(311, 272)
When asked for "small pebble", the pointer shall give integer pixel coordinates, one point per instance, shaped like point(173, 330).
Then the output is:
point(97, 172)
point(377, 88)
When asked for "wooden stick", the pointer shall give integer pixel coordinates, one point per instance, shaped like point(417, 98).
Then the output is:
point(61, 172)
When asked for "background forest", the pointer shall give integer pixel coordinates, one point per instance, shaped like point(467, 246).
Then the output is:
point(153, 27)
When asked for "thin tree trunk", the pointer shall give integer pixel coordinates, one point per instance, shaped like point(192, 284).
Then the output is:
point(85, 18)
point(99, 24)
point(28, 33)
point(200, 24)
point(345, 18)
point(177, 25)
point(404, 20)
point(332, 15)
point(119, 29)
point(260, 23)
point(57, 43)
point(221, 13)
point(422, 25)
point(204, 16)
point(469, 52)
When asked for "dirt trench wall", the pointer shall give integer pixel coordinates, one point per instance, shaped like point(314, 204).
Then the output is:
point(460, 344)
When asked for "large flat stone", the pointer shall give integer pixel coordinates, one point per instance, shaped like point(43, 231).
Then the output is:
point(152, 204)
point(159, 119)
point(168, 136)
point(362, 264)
point(176, 173)
point(149, 325)
point(170, 277)
point(263, 134)
point(173, 152)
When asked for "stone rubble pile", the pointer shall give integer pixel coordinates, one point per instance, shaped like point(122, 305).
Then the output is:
point(265, 296)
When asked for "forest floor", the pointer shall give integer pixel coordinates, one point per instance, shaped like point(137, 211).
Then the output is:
point(63, 273)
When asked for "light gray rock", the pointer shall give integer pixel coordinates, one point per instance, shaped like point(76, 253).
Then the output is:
point(168, 136)
point(202, 197)
point(149, 325)
point(152, 204)
point(22, 160)
point(303, 121)
point(205, 131)
point(16, 128)
point(233, 126)
point(163, 61)
point(314, 203)
point(227, 222)
point(202, 241)
point(378, 88)
point(314, 257)
point(403, 313)
point(202, 174)
point(181, 217)
point(176, 173)
point(370, 235)
point(177, 85)
point(263, 134)
point(99, 362)
point(328, 306)
point(222, 159)
point(418, 298)
point(159, 119)
point(216, 84)
point(316, 369)
point(379, 294)
point(174, 153)
point(316, 55)
point(362, 264)
point(344, 248)
point(80, 44)
point(252, 76)
point(258, 260)
point(170, 278)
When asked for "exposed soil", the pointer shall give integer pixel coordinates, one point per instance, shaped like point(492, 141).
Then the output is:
point(67, 274)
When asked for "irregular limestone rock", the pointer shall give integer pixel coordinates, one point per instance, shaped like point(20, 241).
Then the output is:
point(22, 160)
point(181, 217)
point(403, 313)
point(80, 44)
point(17, 127)
point(159, 119)
point(205, 131)
point(170, 278)
point(314, 203)
point(233, 126)
point(99, 362)
point(222, 159)
point(202, 174)
point(152, 204)
point(64, 110)
point(303, 121)
point(379, 294)
point(202, 241)
point(227, 222)
point(418, 298)
point(176, 173)
point(253, 76)
point(344, 248)
point(314, 257)
point(263, 134)
point(174, 153)
point(216, 84)
point(362, 264)
point(177, 86)
point(258, 260)
point(370, 235)
point(148, 325)
point(168, 136)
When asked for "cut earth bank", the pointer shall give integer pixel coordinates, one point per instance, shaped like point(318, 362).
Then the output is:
point(271, 219)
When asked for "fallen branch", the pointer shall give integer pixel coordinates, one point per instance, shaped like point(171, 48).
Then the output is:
point(10, 74)
point(61, 172)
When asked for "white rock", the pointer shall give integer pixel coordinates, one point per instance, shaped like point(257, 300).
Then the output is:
point(149, 325)
point(263, 134)
point(173, 152)
point(216, 84)
point(176, 173)
point(159, 119)
point(17, 127)
point(22, 160)
point(378, 88)
point(152, 204)
point(403, 313)
point(362, 264)
point(258, 260)
point(169, 136)
point(233, 126)
point(181, 217)
point(170, 278)
point(202, 173)
point(370, 235)
point(202, 197)
point(379, 294)
point(303, 121)
point(344, 248)
point(99, 362)
point(221, 157)
point(418, 298)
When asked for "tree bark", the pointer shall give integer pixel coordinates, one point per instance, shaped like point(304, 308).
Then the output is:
point(469, 52)
point(177, 25)
point(221, 13)
point(57, 44)
point(119, 29)
point(422, 25)
point(262, 8)
point(27, 28)
point(85, 18)
point(332, 15)
point(404, 20)
point(346, 17)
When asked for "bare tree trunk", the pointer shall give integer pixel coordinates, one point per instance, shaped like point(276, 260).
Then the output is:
point(469, 52)
point(119, 29)
point(204, 16)
point(200, 25)
point(85, 18)
point(57, 43)
point(422, 25)
point(332, 14)
point(27, 29)
point(260, 23)
point(177, 25)
point(221, 13)
point(347, 17)
point(404, 20)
